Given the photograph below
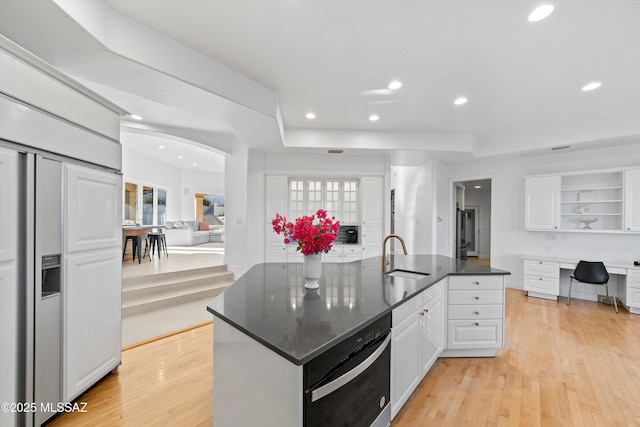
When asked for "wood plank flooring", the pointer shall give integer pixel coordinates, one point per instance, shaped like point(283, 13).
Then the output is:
point(576, 365)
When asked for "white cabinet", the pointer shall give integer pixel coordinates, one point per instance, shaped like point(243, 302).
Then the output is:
point(632, 200)
point(372, 199)
point(606, 201)
point(542, 279)
point(276, 197)
point(276, 200)
point(542, 203)
point(372, 216)
point(343, 253)
point(92, 287)
point(592, 201)
point(631, 297)
point(475, 315)
point(417, 341)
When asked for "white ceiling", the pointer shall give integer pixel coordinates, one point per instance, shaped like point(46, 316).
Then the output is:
point(335, 58)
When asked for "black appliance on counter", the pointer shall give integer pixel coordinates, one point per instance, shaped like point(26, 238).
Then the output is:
point(349, 385)
point(348, 234)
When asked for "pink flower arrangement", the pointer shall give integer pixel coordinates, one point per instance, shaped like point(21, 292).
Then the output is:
point(313, 233)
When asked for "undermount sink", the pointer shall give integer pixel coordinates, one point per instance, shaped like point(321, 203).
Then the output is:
point(407, 274)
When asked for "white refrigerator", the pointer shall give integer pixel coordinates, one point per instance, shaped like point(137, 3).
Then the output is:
point(60, 279)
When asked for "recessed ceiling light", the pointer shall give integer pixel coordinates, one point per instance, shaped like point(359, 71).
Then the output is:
point(591, 86)
point(374, 117)
point(478, 186)
point(460, 101)
point(181, 157)
point(395, 85)
point(135, 117)
point(310, 116)
point(161, 147)
point(540, 13)
point(195, 164)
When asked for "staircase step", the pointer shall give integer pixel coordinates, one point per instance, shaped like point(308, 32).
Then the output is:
point(168, 298)
point(172, 277)
point(163, 287)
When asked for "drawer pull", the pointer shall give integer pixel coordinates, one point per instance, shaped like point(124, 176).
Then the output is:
point(426, 310)
point(539, 278)
point(477, 313)
point(476, 283)
point(477, 324)
point(477, 298)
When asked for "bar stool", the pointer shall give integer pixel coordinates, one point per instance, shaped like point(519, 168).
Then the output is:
point(136, 245)
point(158, 239)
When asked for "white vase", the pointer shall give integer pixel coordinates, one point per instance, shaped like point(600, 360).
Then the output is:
point(312, 270)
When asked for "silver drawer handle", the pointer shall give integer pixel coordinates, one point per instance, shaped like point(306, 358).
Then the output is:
point(329, 388)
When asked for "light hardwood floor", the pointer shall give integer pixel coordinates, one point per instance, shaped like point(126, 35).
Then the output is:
point(576, 365)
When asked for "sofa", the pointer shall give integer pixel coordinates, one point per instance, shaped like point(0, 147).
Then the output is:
point(189, 233)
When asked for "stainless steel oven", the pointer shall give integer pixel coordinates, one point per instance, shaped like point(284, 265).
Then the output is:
point(349, 385)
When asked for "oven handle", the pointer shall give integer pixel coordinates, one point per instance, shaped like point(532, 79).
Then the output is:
point(329, 388)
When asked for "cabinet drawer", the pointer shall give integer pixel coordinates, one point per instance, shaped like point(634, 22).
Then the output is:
point(349, 249)
point(633, 299)
point(406, 309)
point(633, 278)
point(541, 268)
point(476, 282)
point(479, 311)
point(475, 297)
point(465, 334)
point(544, 285)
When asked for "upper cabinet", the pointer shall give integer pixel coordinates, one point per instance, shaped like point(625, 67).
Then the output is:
point(598, 201)
point(372, 193)
point(542, 198)
point(632, 200)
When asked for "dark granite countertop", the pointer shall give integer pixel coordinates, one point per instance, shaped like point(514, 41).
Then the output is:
point(270, 303)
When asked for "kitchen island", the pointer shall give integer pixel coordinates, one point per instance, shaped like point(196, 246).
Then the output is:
point(268, 326)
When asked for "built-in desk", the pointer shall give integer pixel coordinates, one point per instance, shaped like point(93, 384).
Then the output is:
point(548, 277)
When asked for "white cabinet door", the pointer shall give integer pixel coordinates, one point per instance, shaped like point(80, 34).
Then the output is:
point(276, 253)
point(372, 235)
point(372, 200)
point(632, 200)
point(92, 318)
point(405, 361)
point(276, 197)
point(94, 209)
point(542, 203)
point(8, 280)
point(432, 320)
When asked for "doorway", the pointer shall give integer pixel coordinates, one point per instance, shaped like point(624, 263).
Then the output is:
point(472, 206)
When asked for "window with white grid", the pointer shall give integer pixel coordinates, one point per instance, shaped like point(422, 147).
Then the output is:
point(296, 199)
point(314, 194)
point(339, 197)
point(350, 201)
point(332, 197)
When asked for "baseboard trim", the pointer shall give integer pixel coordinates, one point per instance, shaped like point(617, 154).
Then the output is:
point(170, 334)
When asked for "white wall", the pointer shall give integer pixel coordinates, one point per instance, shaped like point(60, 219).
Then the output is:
point(236, 212)
point(413, 206)
point(181, 185)
point(324, 164)
point(509, 238)
point(193, 182)
point(422, 206)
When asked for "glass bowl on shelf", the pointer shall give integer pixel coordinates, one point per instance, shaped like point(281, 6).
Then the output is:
point(587, 221)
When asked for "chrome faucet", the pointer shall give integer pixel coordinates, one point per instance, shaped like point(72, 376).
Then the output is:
point(384, 247)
